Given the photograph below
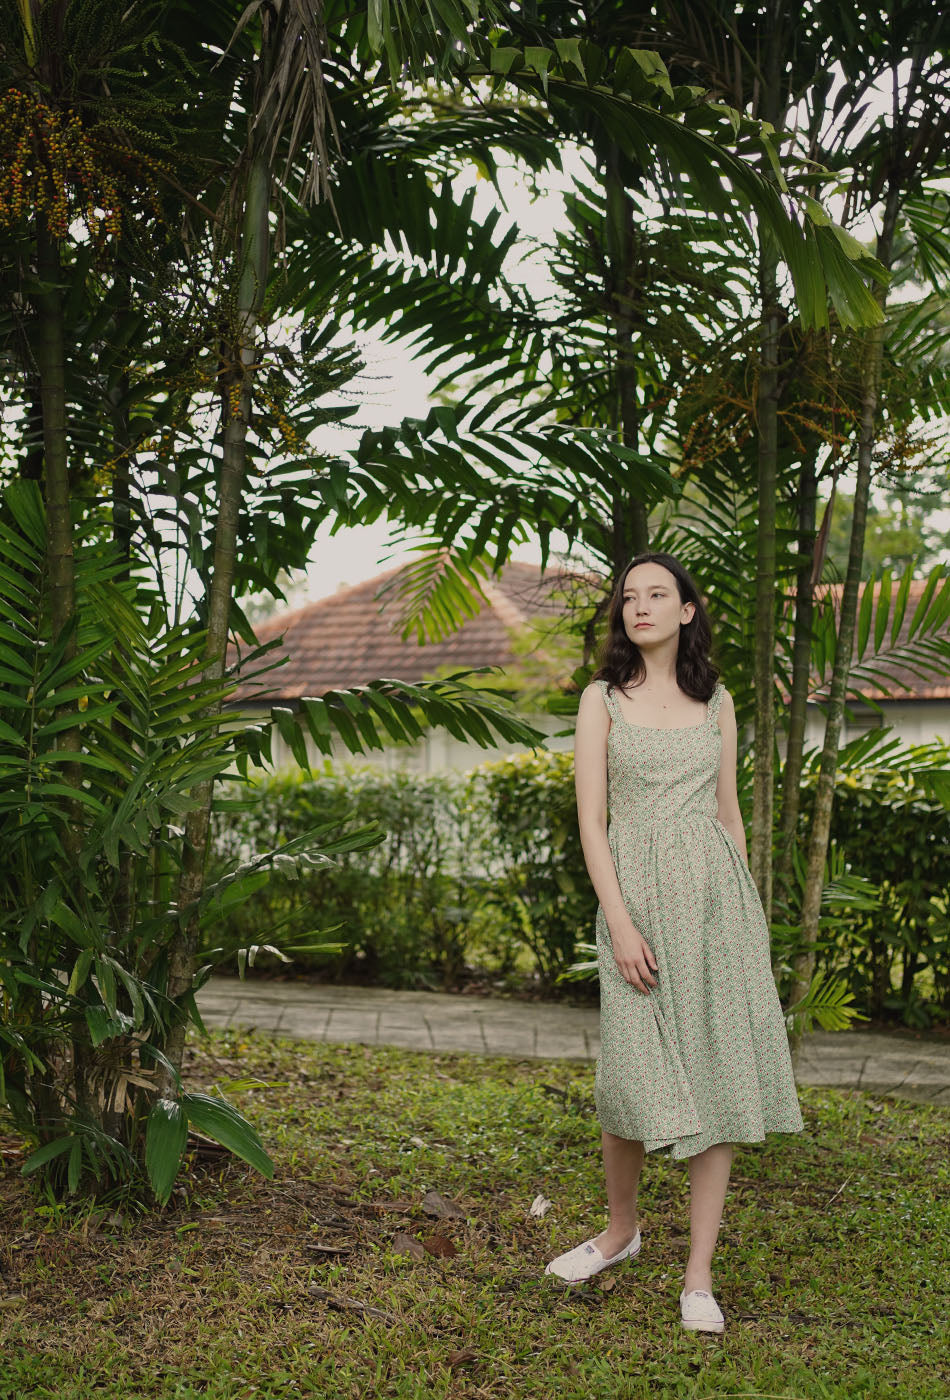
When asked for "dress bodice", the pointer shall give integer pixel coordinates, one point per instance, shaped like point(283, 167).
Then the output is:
point(661, 776)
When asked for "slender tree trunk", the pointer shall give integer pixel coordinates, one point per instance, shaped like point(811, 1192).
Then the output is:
point(801, 670)
point(49, 349)
point(630, 523)
point(122, 539)
point(254, 252)
point(50, 352)
point(29, 31)
point(771, 109)
point(825, 790)
point(760, 845)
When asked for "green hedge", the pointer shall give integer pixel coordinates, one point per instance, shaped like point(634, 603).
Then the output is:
point(479, 871)
point(483, 872)
point(896, 958)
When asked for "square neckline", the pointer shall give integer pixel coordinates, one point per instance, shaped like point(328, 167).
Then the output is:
point(664, 728)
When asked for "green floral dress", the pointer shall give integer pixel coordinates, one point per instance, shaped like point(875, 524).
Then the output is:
point(703, 1058)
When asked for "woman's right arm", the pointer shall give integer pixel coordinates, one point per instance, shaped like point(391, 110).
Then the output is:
point(632, 954)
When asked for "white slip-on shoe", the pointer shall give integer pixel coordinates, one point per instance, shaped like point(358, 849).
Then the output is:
point(582, 1263)
point(700, 1312)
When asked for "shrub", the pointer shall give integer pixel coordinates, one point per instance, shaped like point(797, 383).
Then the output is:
point(407, 909)
point(897, 957)
point(484, 871)
point(480, 870)
point(541, 883)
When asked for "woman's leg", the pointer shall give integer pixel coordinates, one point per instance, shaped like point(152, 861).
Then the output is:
point(708, 1181)
point(623, 1160)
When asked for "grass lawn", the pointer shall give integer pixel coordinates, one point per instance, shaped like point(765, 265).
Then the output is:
point(833, 1271)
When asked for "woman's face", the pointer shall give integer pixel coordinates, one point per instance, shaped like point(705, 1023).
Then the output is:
point(652, 610)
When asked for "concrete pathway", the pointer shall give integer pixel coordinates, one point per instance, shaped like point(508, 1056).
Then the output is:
point(911, 1066)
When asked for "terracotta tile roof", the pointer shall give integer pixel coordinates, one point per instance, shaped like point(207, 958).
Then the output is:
point(352, 636)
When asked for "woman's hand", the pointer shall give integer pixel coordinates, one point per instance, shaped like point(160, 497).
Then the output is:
point(634, 959)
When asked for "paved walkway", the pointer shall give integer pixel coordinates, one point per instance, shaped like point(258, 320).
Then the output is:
point(909, 1065)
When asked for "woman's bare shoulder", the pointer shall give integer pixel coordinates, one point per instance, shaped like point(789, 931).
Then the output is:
point(593, 700)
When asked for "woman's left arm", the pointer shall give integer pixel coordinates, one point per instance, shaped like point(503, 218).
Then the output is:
point(727, 797)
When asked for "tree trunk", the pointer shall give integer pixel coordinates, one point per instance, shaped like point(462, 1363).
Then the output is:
point(760, 846)
point(629, 517)
point(49, 347)
point(125, 901)
point(825, 790)
point(801, 671)
point(254, 252)
point(771, 108)
point(49, 350)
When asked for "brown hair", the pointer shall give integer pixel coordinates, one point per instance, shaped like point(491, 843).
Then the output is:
point(620, 659)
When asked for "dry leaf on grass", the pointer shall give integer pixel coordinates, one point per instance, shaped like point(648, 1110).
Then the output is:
point(342, 1303)
point(439, 1245)
point(405, 1244)
point(539, 1205)
point(441, 1206)
point(460, 1358)
point(606, 1285)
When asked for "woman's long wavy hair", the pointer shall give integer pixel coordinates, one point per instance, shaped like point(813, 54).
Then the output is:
point(621, 661)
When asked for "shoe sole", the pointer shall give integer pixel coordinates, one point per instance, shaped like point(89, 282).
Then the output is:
point(693, 1325)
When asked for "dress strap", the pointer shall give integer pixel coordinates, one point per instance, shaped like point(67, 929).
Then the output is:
point(608, 700)
point(715, 700)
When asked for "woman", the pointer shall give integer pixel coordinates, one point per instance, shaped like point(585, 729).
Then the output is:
point(694, 1053)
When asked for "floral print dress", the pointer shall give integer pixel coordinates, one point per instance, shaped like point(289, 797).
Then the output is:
point(703, 1058)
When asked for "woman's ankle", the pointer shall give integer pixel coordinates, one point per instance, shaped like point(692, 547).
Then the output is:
point(697, 1276)
point(620, 1232)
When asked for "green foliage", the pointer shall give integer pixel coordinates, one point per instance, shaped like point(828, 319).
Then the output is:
point(368, 716)
point(406, 912)
point(896, 958)
point(165, 1140)
point(474, 868)
point(89, 869)
point(825, 1004)
point(889, 633)
point(470, 870)
point(884, 934)
point(545, 891)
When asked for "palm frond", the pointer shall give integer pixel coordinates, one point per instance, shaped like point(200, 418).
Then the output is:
point(826, 1004)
